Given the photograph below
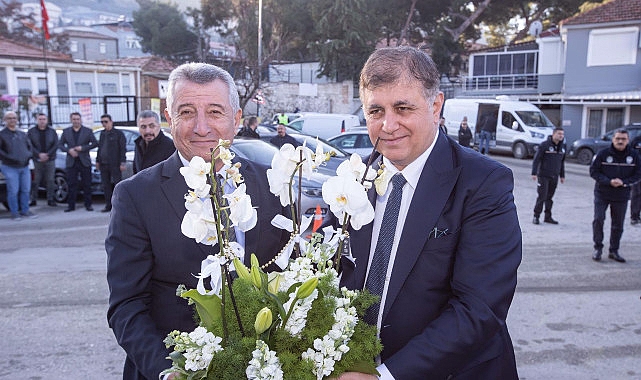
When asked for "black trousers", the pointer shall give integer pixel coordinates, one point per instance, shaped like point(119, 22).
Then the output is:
point(635, 202)
point(109, 177)
point(617, 213)
point(545, 188)
point(78, 169)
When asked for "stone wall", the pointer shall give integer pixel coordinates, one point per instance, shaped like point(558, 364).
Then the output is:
point(307, 97)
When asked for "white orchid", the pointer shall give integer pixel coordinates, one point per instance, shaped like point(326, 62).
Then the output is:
point(382, 180)
point(196, 175)
point(355, 168)
point(233, 172)
point(224, 154)
point(242, 214)
point(348, 197)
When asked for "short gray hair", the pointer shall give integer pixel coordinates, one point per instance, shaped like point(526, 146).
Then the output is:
point(147, 114)
point(202, 73)
point(389, 65)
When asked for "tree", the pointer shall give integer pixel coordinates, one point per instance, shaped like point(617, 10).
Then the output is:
point(164, 32)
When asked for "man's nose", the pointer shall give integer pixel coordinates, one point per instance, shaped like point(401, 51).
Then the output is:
point(390, 123)
point(202, 127)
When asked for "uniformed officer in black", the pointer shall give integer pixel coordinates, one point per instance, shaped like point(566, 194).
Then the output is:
point(614, 169)
point(547, 167)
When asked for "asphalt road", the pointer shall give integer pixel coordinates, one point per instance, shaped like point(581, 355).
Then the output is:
point(571, 318)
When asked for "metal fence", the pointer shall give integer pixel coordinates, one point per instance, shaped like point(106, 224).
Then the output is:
point(123, 109)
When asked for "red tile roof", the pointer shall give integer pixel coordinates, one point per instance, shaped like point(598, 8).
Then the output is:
point(13, 49)
point(613, 11)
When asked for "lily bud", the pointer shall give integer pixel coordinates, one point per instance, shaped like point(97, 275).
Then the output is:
point(241, 270)
point(256, 277)
point(274, 282)
point(263, 320)
point(254, 261)
point(307, 288)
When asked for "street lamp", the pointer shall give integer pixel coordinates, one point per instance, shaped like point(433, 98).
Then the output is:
point(260, 49)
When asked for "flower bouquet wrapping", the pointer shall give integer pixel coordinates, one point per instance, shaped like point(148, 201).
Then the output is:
point(295, 324)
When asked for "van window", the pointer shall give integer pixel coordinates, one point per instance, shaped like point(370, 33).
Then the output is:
point(534, 119)
point(507, 119)
point(297, 125)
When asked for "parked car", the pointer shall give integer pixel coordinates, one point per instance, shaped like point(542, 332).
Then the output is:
point(325, 124)
point(583, 150)
point(3, 190)
point(62, 187)
point(357, 141)
point(338, 155)
point(261, 152)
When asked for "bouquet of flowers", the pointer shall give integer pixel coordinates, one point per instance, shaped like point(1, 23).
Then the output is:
point(295, 324)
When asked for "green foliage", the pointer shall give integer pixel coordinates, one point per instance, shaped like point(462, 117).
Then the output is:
point(164, 32)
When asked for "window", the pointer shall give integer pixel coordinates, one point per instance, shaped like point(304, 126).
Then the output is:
point(74, 46)
point(63, 87)
point(83, 88)
point(613, 46)
point(132, 42)
point(103, 48)
point(3, 81)
point(109, 88)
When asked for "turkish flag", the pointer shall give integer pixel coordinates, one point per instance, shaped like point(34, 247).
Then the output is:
point(45, 19)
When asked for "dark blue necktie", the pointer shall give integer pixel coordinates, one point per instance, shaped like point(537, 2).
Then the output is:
point(380, 261)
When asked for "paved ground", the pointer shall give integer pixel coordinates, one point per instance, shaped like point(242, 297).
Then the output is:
point(571, 318)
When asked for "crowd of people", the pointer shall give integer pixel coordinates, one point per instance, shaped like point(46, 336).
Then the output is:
point(41, 143)
point(445, 290)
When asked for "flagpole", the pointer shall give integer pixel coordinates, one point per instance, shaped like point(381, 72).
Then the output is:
point(45, 33)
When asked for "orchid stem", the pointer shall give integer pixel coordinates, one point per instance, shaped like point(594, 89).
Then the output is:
point(233, 300)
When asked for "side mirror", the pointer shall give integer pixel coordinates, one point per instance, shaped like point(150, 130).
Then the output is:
point(515, 125)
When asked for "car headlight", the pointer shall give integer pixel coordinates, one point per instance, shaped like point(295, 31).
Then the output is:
point(315, 192)
point(537, 135)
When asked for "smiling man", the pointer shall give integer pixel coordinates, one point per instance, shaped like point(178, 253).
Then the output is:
point(148, 256)
point(445, 244)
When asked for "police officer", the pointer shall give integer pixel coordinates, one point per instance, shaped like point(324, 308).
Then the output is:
point(548, 165)
point(614, 169)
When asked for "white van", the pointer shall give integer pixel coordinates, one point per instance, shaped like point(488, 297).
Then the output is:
point(325, 125)
point(520, 128)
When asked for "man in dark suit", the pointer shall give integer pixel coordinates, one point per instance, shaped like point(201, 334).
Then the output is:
point(152, 146)
point(111, 159)
point(77, 141)
point(445, 264)
point(147, 255)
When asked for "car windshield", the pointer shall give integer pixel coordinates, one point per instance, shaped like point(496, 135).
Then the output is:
point(534, 119)
point(312, 142)
point(254, 150)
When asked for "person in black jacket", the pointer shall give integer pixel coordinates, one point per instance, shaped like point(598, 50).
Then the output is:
point(152, 146)
point(614, 169)
point(250, 129)
point(464, 133)
point(548, 165)
point(44, 143)
point(111, 159)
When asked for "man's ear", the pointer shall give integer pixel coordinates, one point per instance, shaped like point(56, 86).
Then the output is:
point(438, 105)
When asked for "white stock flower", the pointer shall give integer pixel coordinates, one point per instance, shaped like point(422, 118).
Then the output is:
point(348, 197)
point(202, 345)
point(196, 175)
point(264, 364)
point(242, 214)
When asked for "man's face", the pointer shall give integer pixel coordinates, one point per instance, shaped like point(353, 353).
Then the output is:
point(620, 141)
point(76, 121)
point(199, 116)
point(280, 130)
point(148, 128)
point(403, 119)
point(41, 121)
point(11, 120)
point(106, 123)
point(557, 136)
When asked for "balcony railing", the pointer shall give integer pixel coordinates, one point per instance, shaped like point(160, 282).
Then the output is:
point(501, 82)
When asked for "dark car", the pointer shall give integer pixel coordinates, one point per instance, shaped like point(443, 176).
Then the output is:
point(261, 152)
point(584, 149)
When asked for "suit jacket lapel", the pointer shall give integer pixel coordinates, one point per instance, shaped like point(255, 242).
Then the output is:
point(435, 185)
